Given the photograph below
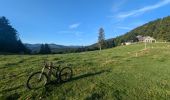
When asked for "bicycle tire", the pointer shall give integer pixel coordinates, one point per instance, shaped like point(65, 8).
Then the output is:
point(68, 75)
point(29, 85)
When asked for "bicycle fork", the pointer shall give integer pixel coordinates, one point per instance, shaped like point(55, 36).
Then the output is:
point(41, 73)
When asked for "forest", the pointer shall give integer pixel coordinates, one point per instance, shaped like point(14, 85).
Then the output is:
point(158, 29)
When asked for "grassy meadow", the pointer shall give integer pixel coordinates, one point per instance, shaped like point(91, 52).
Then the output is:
point(121, 73)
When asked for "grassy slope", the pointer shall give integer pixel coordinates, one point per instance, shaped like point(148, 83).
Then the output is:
point(112, 74)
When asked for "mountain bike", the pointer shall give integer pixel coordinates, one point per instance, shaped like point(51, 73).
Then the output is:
point(41, 78)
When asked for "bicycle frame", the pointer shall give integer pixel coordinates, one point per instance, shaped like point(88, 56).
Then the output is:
point(50, 68)
point(41, 72)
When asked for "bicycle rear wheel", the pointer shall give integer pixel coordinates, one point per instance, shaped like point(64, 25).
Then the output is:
point(37, 80)
point(65, 74)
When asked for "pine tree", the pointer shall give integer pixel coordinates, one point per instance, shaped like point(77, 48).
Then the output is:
point(101, 39)
point(9, 40)
point(42, 49)
point(47, 49)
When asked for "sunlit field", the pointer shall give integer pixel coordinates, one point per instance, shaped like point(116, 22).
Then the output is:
point(121, 73)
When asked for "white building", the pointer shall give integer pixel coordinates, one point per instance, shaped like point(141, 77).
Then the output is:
point(146, 39)
point(149, 39)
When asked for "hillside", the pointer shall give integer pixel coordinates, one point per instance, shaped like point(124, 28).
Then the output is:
point(117, 73)
point(159, 29)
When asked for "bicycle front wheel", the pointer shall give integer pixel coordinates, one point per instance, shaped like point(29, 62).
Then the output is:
point(65, 74)
point(37, 80)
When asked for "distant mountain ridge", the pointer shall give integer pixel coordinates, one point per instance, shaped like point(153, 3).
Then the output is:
point(36, 47)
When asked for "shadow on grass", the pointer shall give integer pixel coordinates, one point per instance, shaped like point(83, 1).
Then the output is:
point(88, 75)
point(49, 88)
point(83, 76)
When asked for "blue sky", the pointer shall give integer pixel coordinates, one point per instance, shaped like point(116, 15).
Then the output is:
point(76, 22)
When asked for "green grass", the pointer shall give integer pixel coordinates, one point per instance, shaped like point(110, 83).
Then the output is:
point(112, 74)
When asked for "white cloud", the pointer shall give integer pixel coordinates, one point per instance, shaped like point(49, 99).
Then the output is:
point(74, 26)
point(143, 10)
